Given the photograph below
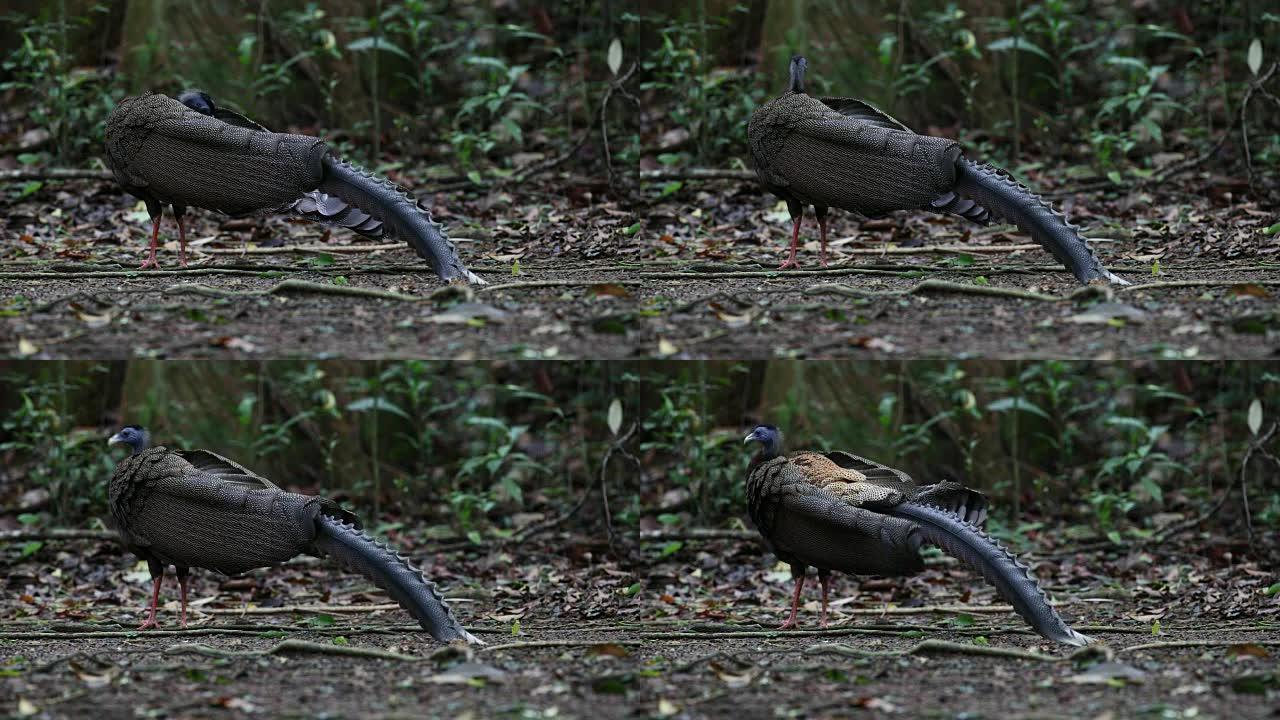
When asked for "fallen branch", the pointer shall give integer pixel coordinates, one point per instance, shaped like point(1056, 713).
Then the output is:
point(53, 174)
point(666, 174)
point(932, 285)
point(286, 249)
point(939, 646)
point(773, 634)
point(556, 283)
point(1197, 643)
point(944, 249)
point(56, 534)
point(136, 274)
point(1196, 283)
point(294, 286)
point(521, 645)
point(136, 634)
point(698, 534)
point(302, 646)
point(299, 609)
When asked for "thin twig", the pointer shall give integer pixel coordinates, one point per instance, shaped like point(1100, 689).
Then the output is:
point(667, 174)
point(940, 646)
point(615, 446)
point(286, 249)
point(294, 285)
point(300, 609)
point(523, 284)
point(53, 174)
point(1163, 284)
point(934, 285)
point(56, 534)
point(1255, 444)
point(698, 534)
point(302, 646)
point(1196, 643)
point(525, 644)
point(615, 85)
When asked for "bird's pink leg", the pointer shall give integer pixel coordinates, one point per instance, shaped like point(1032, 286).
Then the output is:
point(795, 239)
point(155, 600)
point(795, 605)
point(155, 232)
point(182, 582)
point(826, 585)
point(182, 249)
point(822, 224)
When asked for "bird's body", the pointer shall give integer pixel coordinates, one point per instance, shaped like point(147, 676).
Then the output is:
point(845, 153)
point(839, 512)
point(197, 509)
point(166, 152)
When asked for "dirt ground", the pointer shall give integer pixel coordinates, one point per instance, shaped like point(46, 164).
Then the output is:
point(572, 633)
point(573, 273)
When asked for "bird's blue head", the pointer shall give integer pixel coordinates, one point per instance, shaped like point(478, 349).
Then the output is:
point(798, 67)
point(135, 436)
point(770, 439)
point(199, 101)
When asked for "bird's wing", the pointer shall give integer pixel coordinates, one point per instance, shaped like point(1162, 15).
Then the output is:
point(861, 162)
point(232, 117)
point(863, 111)
point(827, 526)
point(224, 470)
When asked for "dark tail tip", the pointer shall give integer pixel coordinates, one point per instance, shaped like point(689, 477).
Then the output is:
point(392, 572)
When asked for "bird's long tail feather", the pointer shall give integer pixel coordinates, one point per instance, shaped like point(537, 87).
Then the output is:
point(1011, 577)
point(331, 210)
point(392, 572)
point(1006, 198)
point(400, 214)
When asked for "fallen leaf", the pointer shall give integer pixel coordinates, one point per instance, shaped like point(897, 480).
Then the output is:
point(1250, 290)
point(468, 674)
point(466, 313)
point(666, 347)
point(609, 649)
point(1107, 313)
point(26, 348)
point(609, 289)
point(1108, 673)
point(1249, 649)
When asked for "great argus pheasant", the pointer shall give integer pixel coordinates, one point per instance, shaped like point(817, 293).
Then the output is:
point(839, 512)
point(194, 508)
point(195, 154)
point(845, 153)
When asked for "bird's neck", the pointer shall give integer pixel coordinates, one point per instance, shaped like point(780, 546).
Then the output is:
point(767, 453)
point(797, 78)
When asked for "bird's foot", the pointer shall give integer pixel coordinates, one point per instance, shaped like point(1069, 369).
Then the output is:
point(789, 263)
point(150, 623)
point(150, 262)
point(790, 623)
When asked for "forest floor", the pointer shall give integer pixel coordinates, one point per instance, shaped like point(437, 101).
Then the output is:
point(1186, 629)
point(692, 274)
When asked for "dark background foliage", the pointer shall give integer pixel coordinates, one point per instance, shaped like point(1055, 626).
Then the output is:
point(1112, 90)
point(1101, 450)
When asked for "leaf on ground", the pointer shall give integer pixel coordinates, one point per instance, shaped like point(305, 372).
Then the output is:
point(1108, 673)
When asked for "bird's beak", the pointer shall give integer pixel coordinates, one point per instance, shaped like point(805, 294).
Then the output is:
point(749, 438)
point(115, 439)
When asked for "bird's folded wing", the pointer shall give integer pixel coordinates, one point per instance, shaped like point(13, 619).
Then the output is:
point(826, 527)
point(841, 161)
point(223, 469)
point(864, 111)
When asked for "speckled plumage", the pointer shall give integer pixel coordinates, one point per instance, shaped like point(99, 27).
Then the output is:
point(194, 508)
point(846, 153)
point(167, 153)
point(842, 513)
